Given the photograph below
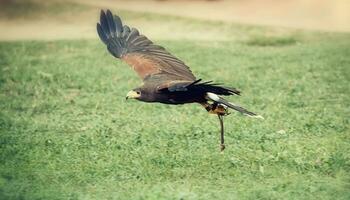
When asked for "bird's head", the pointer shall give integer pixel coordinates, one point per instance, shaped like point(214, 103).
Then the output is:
point(142, 94)
point(133, 94)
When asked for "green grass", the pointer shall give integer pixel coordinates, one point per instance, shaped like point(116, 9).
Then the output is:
point(68, 133)
point(271, 41)
point(34, 9)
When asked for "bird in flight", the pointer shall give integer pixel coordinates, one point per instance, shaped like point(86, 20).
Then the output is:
point(166, 79)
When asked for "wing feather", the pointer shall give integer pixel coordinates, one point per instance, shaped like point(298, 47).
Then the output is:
point(182, 86)
point(138, 51)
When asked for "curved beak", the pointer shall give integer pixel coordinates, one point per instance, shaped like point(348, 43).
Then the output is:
point(132, 95)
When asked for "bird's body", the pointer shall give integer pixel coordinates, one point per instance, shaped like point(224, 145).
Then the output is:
point(152, 91)
point(166, 79)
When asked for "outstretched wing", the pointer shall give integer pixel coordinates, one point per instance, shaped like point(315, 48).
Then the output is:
point(139, 52)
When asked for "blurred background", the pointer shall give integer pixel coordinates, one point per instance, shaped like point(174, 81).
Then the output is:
point(39, 19)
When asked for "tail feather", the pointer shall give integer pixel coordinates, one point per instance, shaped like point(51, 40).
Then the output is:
point(239, 109)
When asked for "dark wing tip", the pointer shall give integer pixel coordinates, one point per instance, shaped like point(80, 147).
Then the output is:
point(100, 32)
point(102, 16)
point(110, 30)
point(104, 23)
point(119, 25)
point(111, 23)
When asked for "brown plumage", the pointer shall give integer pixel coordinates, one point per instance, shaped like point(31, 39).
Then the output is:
point(166, 79)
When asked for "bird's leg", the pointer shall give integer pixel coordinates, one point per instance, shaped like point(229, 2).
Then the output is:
point(221, 111)
point(222, 140)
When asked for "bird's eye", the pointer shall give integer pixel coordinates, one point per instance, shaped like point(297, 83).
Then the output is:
point(138, 92)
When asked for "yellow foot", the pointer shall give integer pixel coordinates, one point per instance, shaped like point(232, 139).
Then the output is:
point(219, 110)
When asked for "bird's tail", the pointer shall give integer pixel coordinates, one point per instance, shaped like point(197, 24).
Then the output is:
point(220, 100)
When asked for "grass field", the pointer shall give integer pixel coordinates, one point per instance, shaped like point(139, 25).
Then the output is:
point(68, 133)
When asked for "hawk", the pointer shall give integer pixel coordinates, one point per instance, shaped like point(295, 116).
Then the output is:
point(166, 79)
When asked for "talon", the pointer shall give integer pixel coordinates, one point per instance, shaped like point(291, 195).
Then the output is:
point(220, 110)
point(222, 147)
point(216, 108)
